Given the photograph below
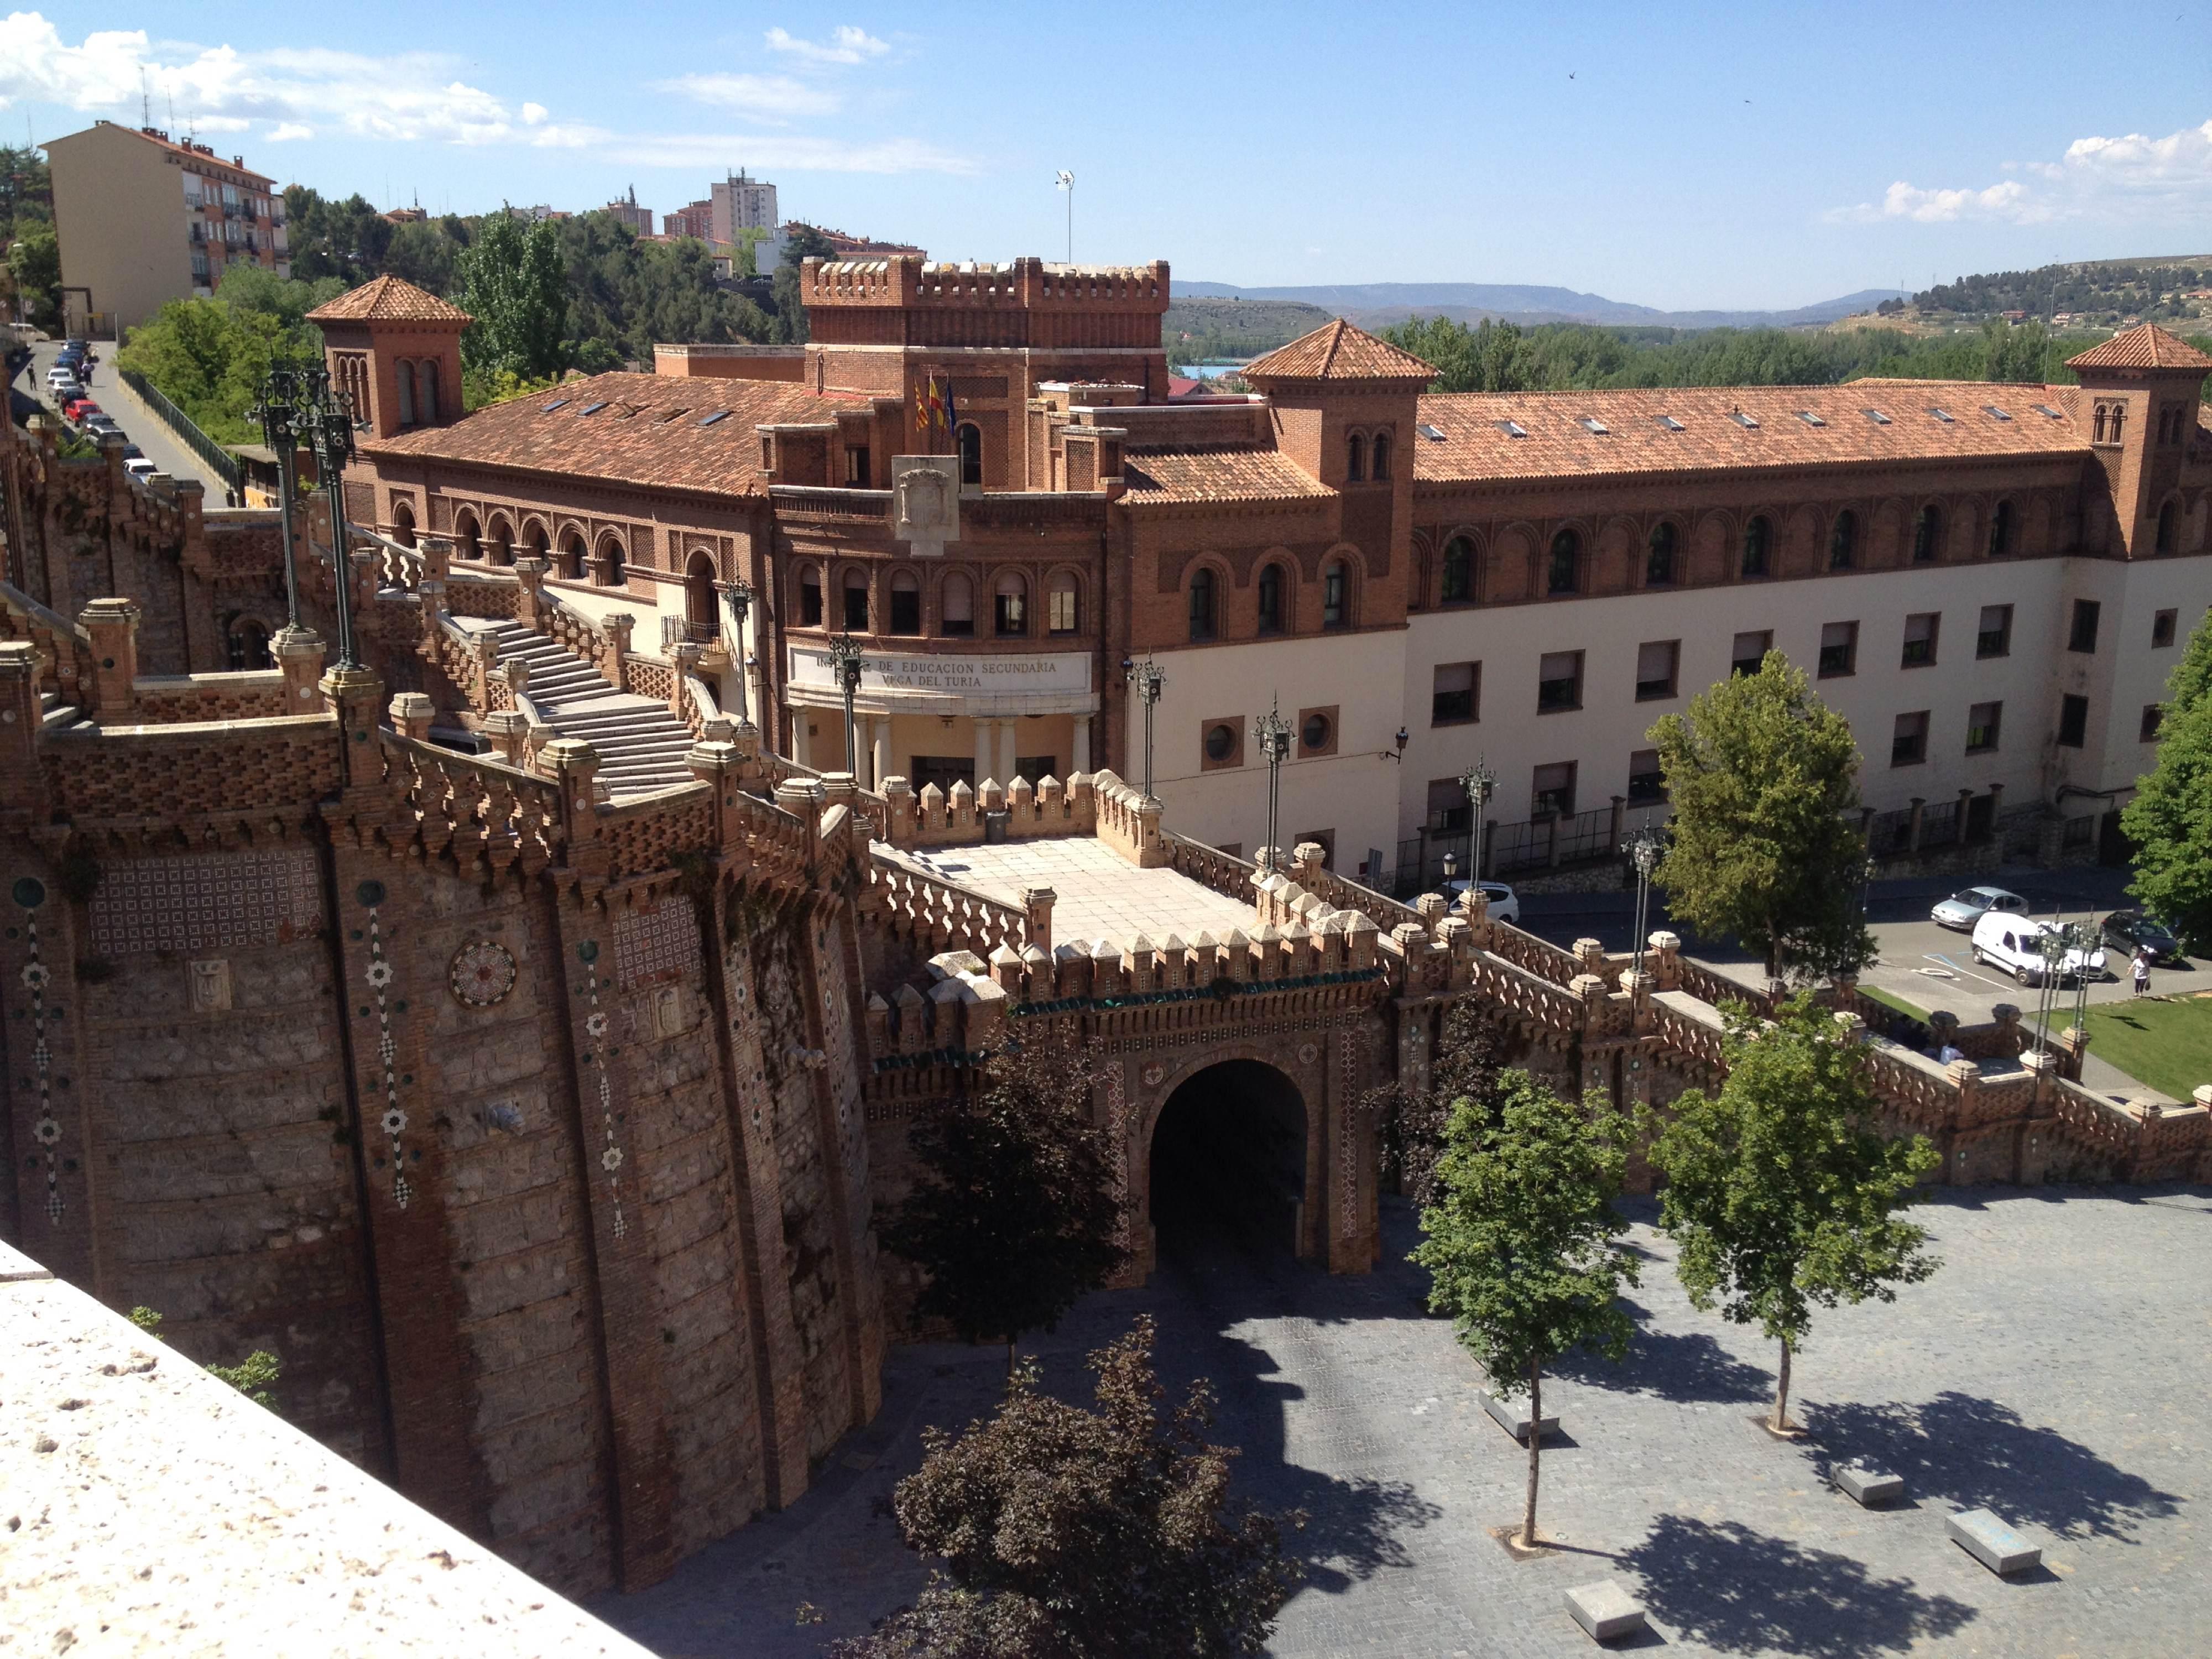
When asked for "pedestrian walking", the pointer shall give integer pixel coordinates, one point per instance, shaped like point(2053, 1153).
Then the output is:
point(2142, 965)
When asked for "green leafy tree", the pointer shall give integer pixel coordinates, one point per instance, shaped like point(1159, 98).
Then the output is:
point(347, 240)
point(2170, 820)
point(210, 359)
point(1469, 1059)
point(1069, 1533)
point(1781, 1190)
point(255, 1376)
point(1764, 778)
point(1520, 1240)
point(34, 270)
point(514, 284)
point(804, 242)
point(1014, 1214)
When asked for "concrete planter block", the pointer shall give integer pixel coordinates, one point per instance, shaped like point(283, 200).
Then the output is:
point(1870, 1488)
point(1605, 1611)
point(1513, 1417)
point(1992, 1542)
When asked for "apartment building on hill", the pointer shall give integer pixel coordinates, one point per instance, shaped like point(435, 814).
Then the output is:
point(143, 219)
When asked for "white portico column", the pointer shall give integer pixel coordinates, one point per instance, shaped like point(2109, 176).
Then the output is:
point(1006, 752)
point(802, 746)
point(983, 751)
point(1080, 761)
point(880, 741)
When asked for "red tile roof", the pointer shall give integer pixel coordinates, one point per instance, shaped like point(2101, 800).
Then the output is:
point(646, 431)
point(1636, 438)
point(2144, 346)
point(1337, 351)
point(387, 299)
point(1217, 475)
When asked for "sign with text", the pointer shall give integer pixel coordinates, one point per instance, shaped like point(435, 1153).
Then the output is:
point(952, 676)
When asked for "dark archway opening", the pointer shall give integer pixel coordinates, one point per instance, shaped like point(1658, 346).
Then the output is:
point(1228, 1160)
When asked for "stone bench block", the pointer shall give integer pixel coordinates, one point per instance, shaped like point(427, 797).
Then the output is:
point(1604, 1610)
point(1513, 1417)
point(1870, 1488)
point(1992, 1542)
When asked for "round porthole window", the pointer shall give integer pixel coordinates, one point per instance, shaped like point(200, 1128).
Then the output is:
point(1317, 732)
point(1220, 742)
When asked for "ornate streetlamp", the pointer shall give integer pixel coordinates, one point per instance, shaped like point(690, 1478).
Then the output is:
point(2052, 945)
point(1478, 781)
point(328, 428)
point(282, 414)
point(1274, 734)
point(845, 660)
point(1644, 847)
point(739, 598)
point(1147, 679)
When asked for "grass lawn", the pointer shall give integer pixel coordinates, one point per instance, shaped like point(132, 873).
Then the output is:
point(1889, 1001)
point(2167, 1045)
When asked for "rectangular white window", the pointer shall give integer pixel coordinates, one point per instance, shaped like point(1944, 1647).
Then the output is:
point(1750, 650)
point(1839, 649)
point(1655, 661)
point(1560, 682)
point(1453, 698)
point(1920, 639)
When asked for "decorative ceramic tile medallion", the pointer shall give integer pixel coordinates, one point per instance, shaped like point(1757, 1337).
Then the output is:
point(482, 973)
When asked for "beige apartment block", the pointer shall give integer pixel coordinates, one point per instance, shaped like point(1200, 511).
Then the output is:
point(143, 219)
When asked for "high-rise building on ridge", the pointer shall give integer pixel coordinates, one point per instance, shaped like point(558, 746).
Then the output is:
point(741, 203)
point(626, 211)
point(144, 219)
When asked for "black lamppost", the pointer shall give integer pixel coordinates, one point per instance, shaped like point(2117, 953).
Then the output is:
point(845, 660)
point(1478, 780)
point(2051, 944)
point(1644, 847)
point(1147, 677)
point(1274, 733)
point(739, 598)
point(282, 413)
point(329, 429)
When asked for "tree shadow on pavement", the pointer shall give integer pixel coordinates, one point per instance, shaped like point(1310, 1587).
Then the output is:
point(1739, 1590)
point(1973, 1451)
point(1684, 1366)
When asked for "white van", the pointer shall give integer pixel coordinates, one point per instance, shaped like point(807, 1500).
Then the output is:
point(2015, 944)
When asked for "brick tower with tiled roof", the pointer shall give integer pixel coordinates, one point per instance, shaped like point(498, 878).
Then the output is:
point(1337, 352)
point(395, 349)
point(2144, 386)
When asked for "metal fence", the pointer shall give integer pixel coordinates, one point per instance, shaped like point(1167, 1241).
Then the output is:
point(219, 460)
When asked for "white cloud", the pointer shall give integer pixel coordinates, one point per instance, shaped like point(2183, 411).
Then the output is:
point(2133, 177)
point(291, 93)
point(846, 44)
point(770, 98)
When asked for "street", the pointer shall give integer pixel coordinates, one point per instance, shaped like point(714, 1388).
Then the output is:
point(140, 423)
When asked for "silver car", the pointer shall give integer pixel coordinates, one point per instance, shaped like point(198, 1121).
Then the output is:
point(1962, 909)
point(1504, 902)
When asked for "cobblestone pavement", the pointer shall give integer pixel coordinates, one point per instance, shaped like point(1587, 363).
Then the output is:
point(2053, 1370)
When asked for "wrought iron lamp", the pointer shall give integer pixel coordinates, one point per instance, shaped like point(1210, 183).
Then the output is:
point(1146, 678)
point(845, 660)
point(1273, 732)
point(739, 597)
point(282, 415)
point(328, 430)
point(1478, 781)
point(1644, 847)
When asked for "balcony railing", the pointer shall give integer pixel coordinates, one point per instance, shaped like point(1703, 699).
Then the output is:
point(678, 630)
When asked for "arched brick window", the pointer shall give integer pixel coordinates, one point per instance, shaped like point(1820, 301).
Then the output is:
point(1379, 468)
point(469, 535)
point(1273, 615)
point(1844, 541)
point(1758, 544)
point(2001, 529)
point(1355, 457)
point(406, 376)
point(1564, 574)
point(610, 569)
point(958, 596)
point(854, 589)
point(572, 556)
point(971, 453)
point(1063, 605)
point(700, 622)
point(426, 391)
point(809, 596)
point(1011, 605)
point(1659, 556)
point(1927, 535)
point(403, 523)
point(1204, 610)
point(247, 643)
point(1336, 595)
point(2169, 517)
point(1459, 571)
point(503, 542)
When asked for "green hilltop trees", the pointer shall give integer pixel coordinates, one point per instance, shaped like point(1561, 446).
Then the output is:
point(2170, 820)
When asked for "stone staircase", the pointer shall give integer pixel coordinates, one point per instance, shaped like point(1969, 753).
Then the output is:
point(642, 745)
point(55, 715)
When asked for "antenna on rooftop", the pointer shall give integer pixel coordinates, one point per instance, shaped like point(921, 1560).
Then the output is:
point(145, 108)
point(1066, 181)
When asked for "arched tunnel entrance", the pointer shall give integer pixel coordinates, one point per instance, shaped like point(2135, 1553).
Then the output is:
point(1229, 1160)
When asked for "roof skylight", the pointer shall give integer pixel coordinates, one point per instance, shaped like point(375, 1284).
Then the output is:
point(1810, 418)
point(1513, 428)
point(1995, 413)
point(1434, 435)
point(1875, 415)
point(1591, 423)
point(554, 404)
point(592, 408)
point(1749, 423)
point(719, 414)
point(1671, 423)
point(2045, 409)
point(1943, 415)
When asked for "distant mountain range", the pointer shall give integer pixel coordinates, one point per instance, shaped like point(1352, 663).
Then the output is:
point(1376, 304)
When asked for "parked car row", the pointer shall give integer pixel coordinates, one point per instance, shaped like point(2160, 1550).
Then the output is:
point(2006, 937)
point(65, 385)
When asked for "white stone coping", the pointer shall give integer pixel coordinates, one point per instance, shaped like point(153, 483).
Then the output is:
point(150, 1510)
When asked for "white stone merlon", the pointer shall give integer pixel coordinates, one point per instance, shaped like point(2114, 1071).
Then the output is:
point(152, 1509)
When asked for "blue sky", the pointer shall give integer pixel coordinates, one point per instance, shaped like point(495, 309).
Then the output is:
point(1677, 156)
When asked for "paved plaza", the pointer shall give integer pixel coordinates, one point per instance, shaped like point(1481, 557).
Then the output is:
point(2052, 1370)
point(1098, 894)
